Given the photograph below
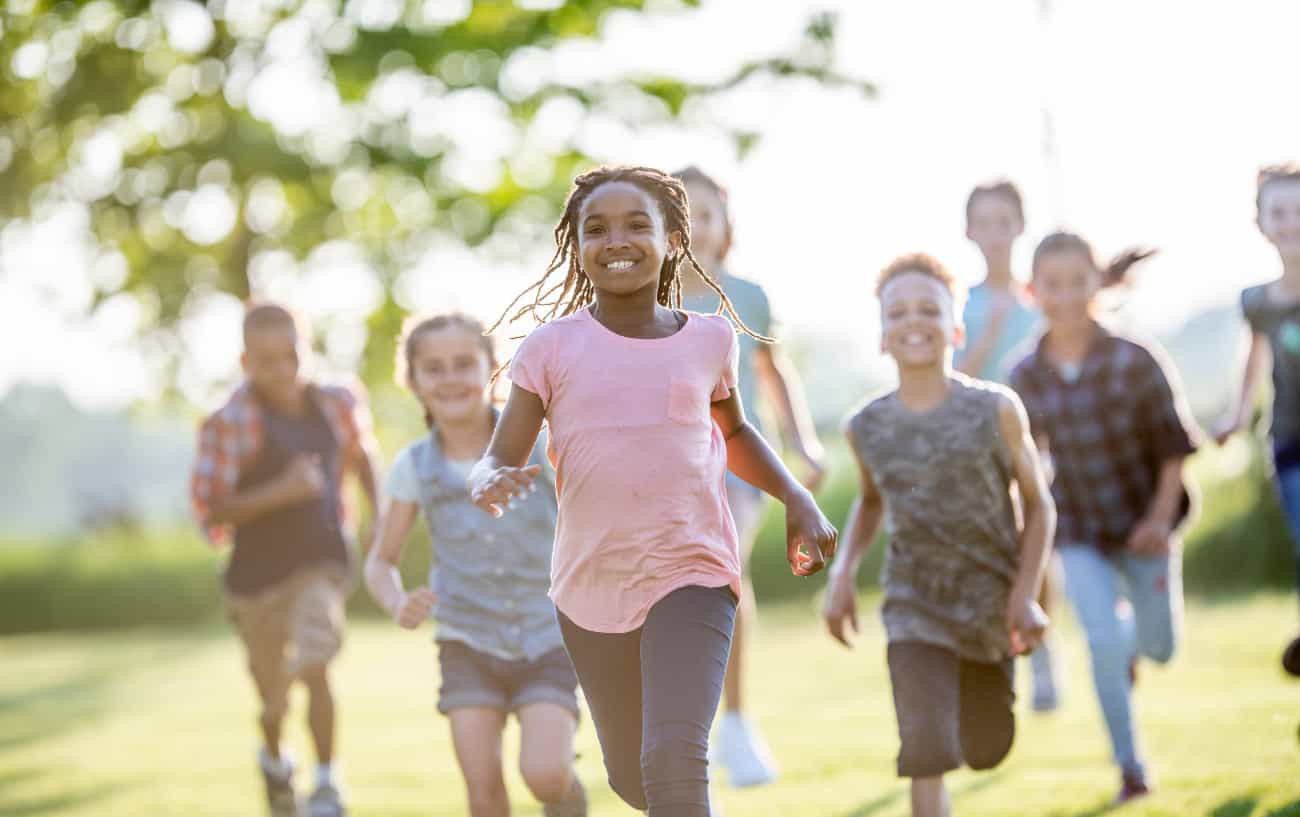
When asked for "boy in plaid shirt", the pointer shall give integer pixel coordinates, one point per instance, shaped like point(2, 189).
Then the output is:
point(269, 473)
point(1109, 413)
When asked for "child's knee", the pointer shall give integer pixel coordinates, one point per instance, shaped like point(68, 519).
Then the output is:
point(315, 677)
point(549, 779)
point(629, 787)
point(1160, 649)
point(1109, 645)
point(675, 770)
point(989, 753)
point(273, 713)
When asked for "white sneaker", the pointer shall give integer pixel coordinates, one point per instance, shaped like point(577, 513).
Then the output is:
point(742, 751)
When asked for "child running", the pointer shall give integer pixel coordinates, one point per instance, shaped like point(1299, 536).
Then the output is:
point(999, 320)
point(643, 421)
point(1109, 412)
point(499, 646)
point(938, 458)
point(1272, 311)
point(270, 466)
point(766, 371)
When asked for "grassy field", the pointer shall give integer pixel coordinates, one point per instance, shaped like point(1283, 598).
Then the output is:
point(152, 724)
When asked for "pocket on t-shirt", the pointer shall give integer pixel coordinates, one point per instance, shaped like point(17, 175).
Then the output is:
point(685, 404)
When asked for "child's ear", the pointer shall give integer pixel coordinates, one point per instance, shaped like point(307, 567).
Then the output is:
point(969, 234)
point(959, 336)
point(243, 361)
point(675, 242)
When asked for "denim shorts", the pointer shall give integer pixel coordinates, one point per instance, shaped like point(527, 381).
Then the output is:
point(471, 678)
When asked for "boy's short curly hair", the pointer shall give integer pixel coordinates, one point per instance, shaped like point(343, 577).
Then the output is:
point(922, 263)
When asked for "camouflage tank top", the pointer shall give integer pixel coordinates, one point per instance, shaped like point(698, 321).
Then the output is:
point(954, 548)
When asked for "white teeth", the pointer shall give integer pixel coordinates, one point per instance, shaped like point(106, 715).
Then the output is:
point(914, 337)
point(620, 266)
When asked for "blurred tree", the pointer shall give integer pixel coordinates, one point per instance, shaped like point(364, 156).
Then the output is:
point(204, 136)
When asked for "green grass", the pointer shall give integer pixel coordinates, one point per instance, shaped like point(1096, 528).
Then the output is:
point(160, 723)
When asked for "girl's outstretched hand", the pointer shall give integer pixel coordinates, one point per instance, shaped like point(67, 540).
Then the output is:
point(415, 608)
point(810, 538)
point(501, 489)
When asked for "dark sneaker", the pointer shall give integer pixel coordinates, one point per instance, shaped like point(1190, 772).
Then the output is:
point(326, 802)
point(574, 803)
point(1133, 786)
point(279, 792)
point(1291, 657)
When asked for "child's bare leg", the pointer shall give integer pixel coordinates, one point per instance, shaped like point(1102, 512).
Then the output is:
point(320, 711)
point(929, 797)
point(272, 689)
point(476, 735)
point(546, 751)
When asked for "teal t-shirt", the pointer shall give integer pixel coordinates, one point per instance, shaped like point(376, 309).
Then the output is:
point(755, 310)
point(1019, 326)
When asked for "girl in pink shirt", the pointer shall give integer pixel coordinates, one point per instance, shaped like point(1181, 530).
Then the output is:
point(643, 422)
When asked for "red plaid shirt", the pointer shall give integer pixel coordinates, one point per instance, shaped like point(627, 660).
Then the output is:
point(230, 440)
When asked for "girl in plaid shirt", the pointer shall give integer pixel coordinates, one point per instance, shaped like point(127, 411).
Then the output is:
point(1109, 412)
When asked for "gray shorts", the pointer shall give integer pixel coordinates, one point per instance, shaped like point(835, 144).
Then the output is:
point(471, 678)
point(951, 711)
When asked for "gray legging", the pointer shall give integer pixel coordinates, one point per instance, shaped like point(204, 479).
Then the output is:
point(653, 693)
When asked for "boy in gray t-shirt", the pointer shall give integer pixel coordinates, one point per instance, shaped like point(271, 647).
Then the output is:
point(939, 455)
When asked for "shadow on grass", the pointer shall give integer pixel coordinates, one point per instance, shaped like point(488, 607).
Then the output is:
point(1291, 809)
point(55, 804)
point(1236, 807)
point(1103, 807)
point(886, 800)
point(37, 713)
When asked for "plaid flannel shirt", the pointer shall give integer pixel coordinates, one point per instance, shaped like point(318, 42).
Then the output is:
point(230, 440)
point(1109, 431)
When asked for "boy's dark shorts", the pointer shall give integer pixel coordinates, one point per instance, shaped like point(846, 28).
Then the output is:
point(471, 678)
point(950, 711)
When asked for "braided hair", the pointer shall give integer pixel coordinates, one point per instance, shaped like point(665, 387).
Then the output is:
point(551, 300)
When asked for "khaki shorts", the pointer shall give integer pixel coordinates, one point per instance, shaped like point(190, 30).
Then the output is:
point(289, 627)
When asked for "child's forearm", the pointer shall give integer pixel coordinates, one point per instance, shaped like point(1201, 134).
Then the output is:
point(384, 581)
point(860, 532)
point(977, 356)
point(1035, 547)
point(244, 506)
point(753, 460)
point(369, 483)
point(1250, 376)
point(783, 386)
point(1168, 498)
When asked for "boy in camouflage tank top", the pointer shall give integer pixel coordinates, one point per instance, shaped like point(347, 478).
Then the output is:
point(961, 578)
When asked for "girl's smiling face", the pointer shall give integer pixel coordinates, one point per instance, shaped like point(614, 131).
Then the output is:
point(1064, 285)
point(918, 320)
point(622, 240)
point(451, 373)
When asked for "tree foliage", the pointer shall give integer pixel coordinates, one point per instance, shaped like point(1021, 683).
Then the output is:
point(200, 135)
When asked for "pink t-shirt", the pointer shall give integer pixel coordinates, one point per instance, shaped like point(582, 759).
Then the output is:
point(639, 463)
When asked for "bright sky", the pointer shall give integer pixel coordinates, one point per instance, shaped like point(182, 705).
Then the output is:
point(1162, 113)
